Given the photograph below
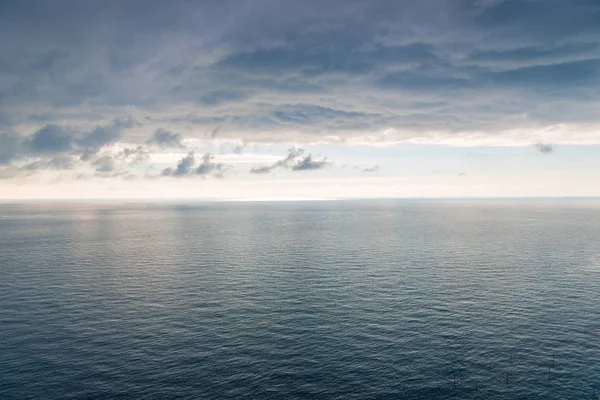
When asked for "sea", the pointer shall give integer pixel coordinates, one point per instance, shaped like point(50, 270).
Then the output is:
point(382, 299)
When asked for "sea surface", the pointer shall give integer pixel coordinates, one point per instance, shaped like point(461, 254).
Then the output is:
point(488, 299)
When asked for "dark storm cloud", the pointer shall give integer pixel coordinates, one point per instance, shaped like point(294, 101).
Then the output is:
point(187, 167)
point(290, 71)
point(165, 138)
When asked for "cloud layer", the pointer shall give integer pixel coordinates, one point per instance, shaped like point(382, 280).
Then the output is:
point(76, 77)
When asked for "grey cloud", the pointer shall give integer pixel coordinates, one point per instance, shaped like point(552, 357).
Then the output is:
point(53, 147)
point(103, 135)
point(544, 148)
point(293, 153)
point(294, 161)
point(50, 139)
point(135, 155)
point(308, 163)
point(371, 169)
point(9, 147)
point(54, 139)
point(219, 97)
point(239, 149)
point(185, 165)
point(165, 138)
point(56, 163)
point(12, 172)
point(306, 69)
point(105, 164)
point(207, 167)
point(261, 170)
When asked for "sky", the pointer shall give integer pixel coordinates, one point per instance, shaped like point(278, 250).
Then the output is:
point(328, 99)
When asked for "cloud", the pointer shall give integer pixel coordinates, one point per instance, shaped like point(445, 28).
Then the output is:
point(299, 72)
point(165, 138)
point(105, 164)
point(12, 172)
point(53, 139)
point(293, 161)
point(544, 148)
point(219, 97)
point(55, 163)
point(293, 153)
point(207, 167)
point(101, 136)
point(308, 163)
point(50, 139)
point(184, 166)
point(9, 147)
point(53, 147)
point(135, 155)
point(371, 169)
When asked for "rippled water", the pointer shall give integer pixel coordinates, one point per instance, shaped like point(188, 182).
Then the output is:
point(336, 300)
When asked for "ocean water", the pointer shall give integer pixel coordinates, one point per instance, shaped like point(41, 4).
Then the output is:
point(300, 300)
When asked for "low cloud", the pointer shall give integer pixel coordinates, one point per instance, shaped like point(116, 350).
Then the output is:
point(164, 138)
point(50, 139)
point(12, 172)
point(544, 148)
point(208, 167)
point(9, 147)
point(54, 147)
point(105, 164)
point(294, 161)
point(135, 155)
point(371, 169)
point(101, 136)
point(187, 167)
point(56, 163)
point(308, 163)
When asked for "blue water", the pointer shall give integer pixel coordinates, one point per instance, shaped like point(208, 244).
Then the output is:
point(315, 300)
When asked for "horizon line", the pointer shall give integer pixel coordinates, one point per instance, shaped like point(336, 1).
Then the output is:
point(283, 199)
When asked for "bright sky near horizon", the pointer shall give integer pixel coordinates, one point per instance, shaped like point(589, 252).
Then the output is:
point(263, 99)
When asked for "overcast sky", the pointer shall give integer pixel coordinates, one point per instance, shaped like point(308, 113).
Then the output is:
point(262, 99)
